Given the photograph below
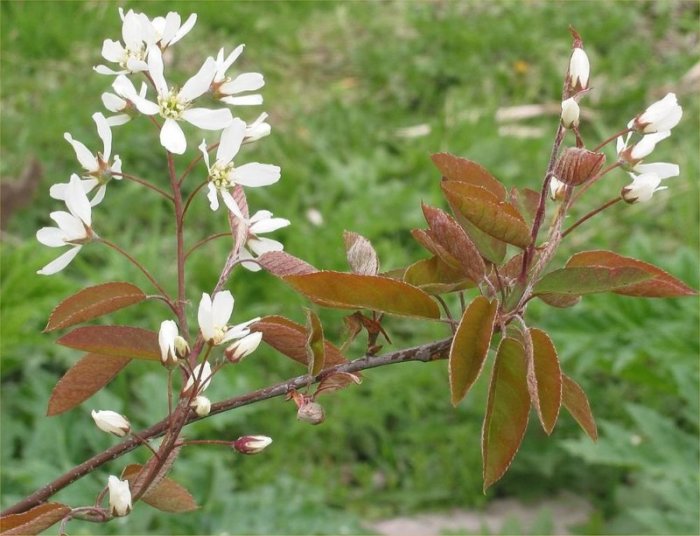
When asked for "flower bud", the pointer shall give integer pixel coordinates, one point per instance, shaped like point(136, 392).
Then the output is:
point(642, 188)
point(243, 347)
point(577, 165)
point(311, 412)
point(662, 115)
point(182, 349)
point(570, 112)
point(557, 189)
point(119, 496)
point(579, 70)
point(111, 422)
point(251, 444)
point(166, 340)
point(201, 406)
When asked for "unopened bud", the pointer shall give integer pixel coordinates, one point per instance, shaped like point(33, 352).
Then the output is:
point(579, 70)
point(570, 112)
point(119, 496)
point(243, 347)
point(642, 188)
point(251, 444)
point(557, 189)
point(311, 412)
point(201, 406)
point(182, 349)
point(111, 422)
point(577, 165)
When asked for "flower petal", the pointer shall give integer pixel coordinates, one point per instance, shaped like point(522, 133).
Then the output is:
point(231, 139)
point(172, 24)
point(112, 50)
point(105, 134)
point(243, 82)
point(204, 317)
point(255, 174)
point(260, 246)
point(155, 69)
point(208, 119)
point(246, 100)
point(268, 225)
point(61, 262)
point(200, 82)
point(213, 198)
point(184, 29)
point(85, 157)
point(222, 308)
point(663, 170)
point(172, 137)
point(77, 201)
point(51, 237)
point(230, 202)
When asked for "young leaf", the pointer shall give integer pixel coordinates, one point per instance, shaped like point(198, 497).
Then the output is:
point(34, 520)
point(353, 291)
point(315, 347)
point(435, 277)
point(497, 218)
point(281, 264)
point(167, 495)
point(546, 371)
point(576, 402)
point(92, 302)
point(121, 341)
point(335, 382)
point(362, 257)
point(588, 280)
point(455, 168)
point(561, 301)
point(526, 201)
point(446, 232)
point(289, 338)
point(470, 346)
point(507, 410)
point(660, 285)
point(425, 239)
point(83, 380)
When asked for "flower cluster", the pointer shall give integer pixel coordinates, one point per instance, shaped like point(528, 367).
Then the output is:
point(140, 53)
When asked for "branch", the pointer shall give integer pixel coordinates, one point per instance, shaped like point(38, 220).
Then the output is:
point(427, 352)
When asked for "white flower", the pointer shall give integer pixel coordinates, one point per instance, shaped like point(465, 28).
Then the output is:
point(252, 444)
point(642, 188)
point(131, 56)
point(73, 227)
point(662, 115)
point(121, 101)
point(257, 129)
point(168, 30)
point(111, 422)
point(200, 374)
point(223, 175)
point(243, 347)
point(201, 406)
point(224, 87)
point(166, 340)
point(570, 113)
point(174, 105)
point(119, 496)
point(97, 166)
point(579, 69)
point(642, 148)
point(213, 317)
point(262, 222)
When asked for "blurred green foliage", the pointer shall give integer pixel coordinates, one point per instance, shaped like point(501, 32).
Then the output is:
point(341, 79)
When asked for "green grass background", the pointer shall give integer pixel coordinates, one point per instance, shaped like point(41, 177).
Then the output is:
point(341, 78)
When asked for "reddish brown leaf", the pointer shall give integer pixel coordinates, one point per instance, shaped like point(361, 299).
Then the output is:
point(526, 201)
point(34, 520)
point(282, 264)
point(83, 380)
point(352, 291)
point(588, 280)
point(547, 375)
point(446, 232)
point(335, 382)
point(507, 411)
point(122, 341)
point(660, 285)
point(470, 346)
point(425, 239)
point(361, 255)
point(92, 302)
point(315, 347)
point(435, 277)
point(167, 495)
point(561, 301)
point(138, 475)
point(497, 218)
point(460, 169)
point(289, 338)
point(574, 399)
point(491, 249)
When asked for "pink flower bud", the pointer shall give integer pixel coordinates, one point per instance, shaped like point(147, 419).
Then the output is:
point(251, 444)
point(111, 422)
